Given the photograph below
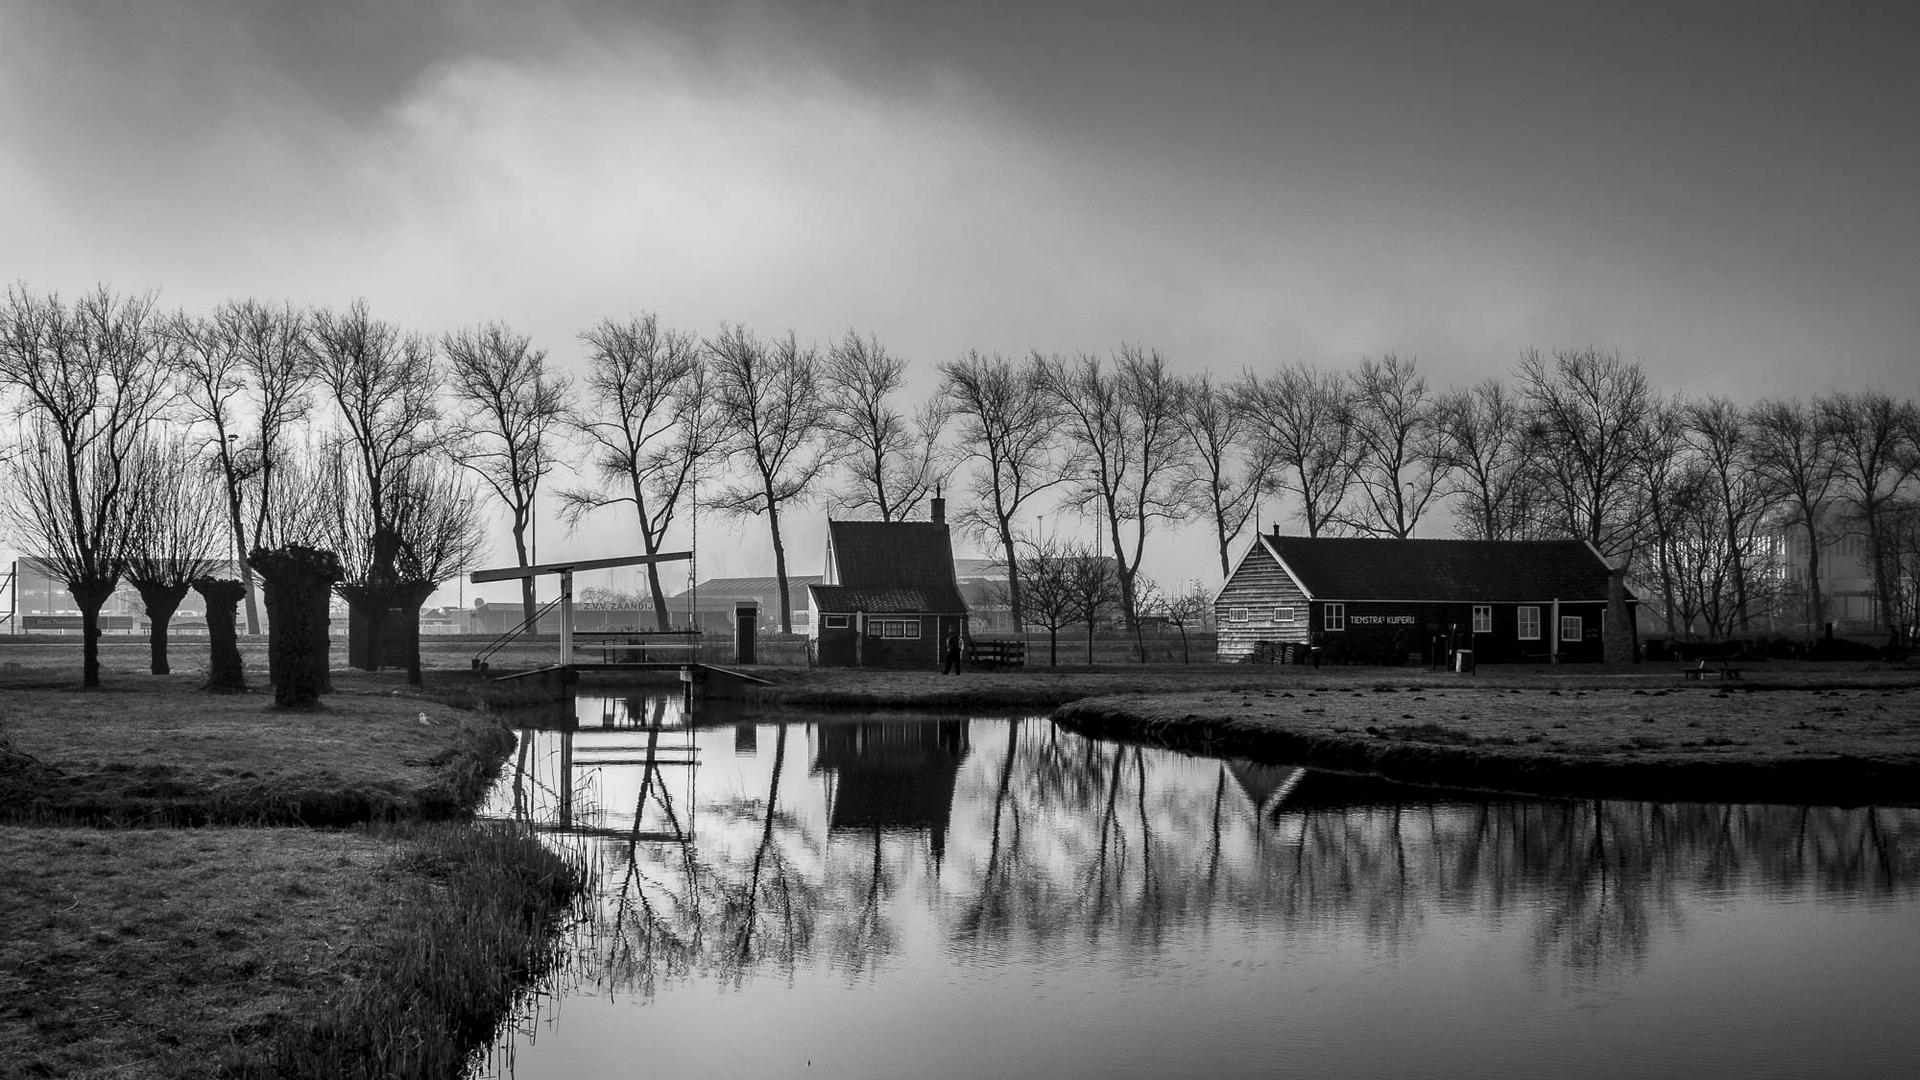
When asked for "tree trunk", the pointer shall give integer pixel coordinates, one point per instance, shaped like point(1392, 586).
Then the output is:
point(224, 671)
point(526, 583)
point(1816, 603)
point(1014, 603)
point(161, 601)
point(91, 596)
point(297, 582)
point(780, 565)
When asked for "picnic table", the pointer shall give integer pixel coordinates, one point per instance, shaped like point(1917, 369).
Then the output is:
point(1699, 671)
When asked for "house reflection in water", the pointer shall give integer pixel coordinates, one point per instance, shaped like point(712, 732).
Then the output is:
point(892, 775)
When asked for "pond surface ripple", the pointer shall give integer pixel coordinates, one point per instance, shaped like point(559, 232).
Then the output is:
point(991, 897)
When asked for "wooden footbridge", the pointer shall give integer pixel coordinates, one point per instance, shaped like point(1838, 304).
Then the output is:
point(621, 650)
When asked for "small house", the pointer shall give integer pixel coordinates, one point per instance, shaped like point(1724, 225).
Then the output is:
point(888, 597)
point(1374, 601)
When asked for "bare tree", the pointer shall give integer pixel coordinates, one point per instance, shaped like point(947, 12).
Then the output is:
point(1589, 410)
point(91, 379)
point(1720, 436)
point(1299, 421)
point(384, 384)
point(430, 532)
point(1123, 422)
point(1590, 413)
point(891, 462)
point(1007, 429)
point(213, 380)
point(1219, 475)
point(1484, 435)
point(511, 406)
point(768, 402)
point(1399, 466)
point(649, 421)
point(1095, 589)
point(1672, 489)
point(1046, 584)
point(1794, 455)
point(1873, 441)
point(276, 358)
point(177, 532)
point(1185, 610)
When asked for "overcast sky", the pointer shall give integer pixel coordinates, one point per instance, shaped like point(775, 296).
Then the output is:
point(1723, 193)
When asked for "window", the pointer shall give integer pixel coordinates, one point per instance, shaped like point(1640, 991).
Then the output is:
point(1236, 614)
point(1283, 616)
point(833, 622)
point(1483, 618)
point(1570, 627)
point(896, 628)
point(1335, 618)
point(1529, 623)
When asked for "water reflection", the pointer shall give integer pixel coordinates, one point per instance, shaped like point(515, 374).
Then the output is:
point(861, 851)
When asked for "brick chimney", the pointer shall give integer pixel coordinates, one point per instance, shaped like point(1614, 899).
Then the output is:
point(938, 509)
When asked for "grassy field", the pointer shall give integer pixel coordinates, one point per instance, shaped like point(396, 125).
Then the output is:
point(388, 948)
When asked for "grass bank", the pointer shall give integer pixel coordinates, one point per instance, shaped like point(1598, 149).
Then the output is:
point(1850, 744)
point(390, 948)
point(265, 952)
point(158, 752)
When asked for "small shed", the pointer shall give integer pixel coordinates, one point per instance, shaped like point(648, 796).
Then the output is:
point(888, 597)
point(1375, 601)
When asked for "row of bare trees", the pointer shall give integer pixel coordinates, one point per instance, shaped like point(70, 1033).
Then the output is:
point(163, 448)
point(337, 429)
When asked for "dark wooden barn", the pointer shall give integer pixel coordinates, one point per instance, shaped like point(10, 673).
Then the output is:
point(888, 596)
point(1364, 600)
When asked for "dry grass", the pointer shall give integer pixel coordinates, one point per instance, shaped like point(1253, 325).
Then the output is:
point(260, 952)
point(162, 752)
point(1857, 741)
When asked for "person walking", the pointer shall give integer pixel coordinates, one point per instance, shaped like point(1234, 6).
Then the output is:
point(950, 662)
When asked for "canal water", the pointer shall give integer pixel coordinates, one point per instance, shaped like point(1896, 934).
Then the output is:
point(896, 897)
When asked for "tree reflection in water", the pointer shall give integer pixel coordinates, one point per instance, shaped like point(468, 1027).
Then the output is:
point(986, 839)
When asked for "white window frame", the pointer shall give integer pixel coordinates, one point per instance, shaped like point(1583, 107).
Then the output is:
point(1529, 622)
point(1483, 618)
point(1283, 616)
point(1237, 614)
point(1572, 628)
point(1333, 618)
point(833, 622)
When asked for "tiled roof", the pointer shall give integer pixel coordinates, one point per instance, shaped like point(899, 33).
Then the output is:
point(1490, 571)
point(753, 586)
point(890, 566)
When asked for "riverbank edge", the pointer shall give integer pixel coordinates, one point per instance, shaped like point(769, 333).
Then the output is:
point(1826, 780)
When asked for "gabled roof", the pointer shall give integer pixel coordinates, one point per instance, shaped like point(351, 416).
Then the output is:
point(889, 566)
point(1458, 571)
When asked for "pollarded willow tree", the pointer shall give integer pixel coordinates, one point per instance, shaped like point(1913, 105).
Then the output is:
point(430, 532)
point(384, 385)
point(511, 410)
point(91, 379)
point(773, 420)
point(648, 419)
point(1007, 430)
point(890, 462)
point(177, 534)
